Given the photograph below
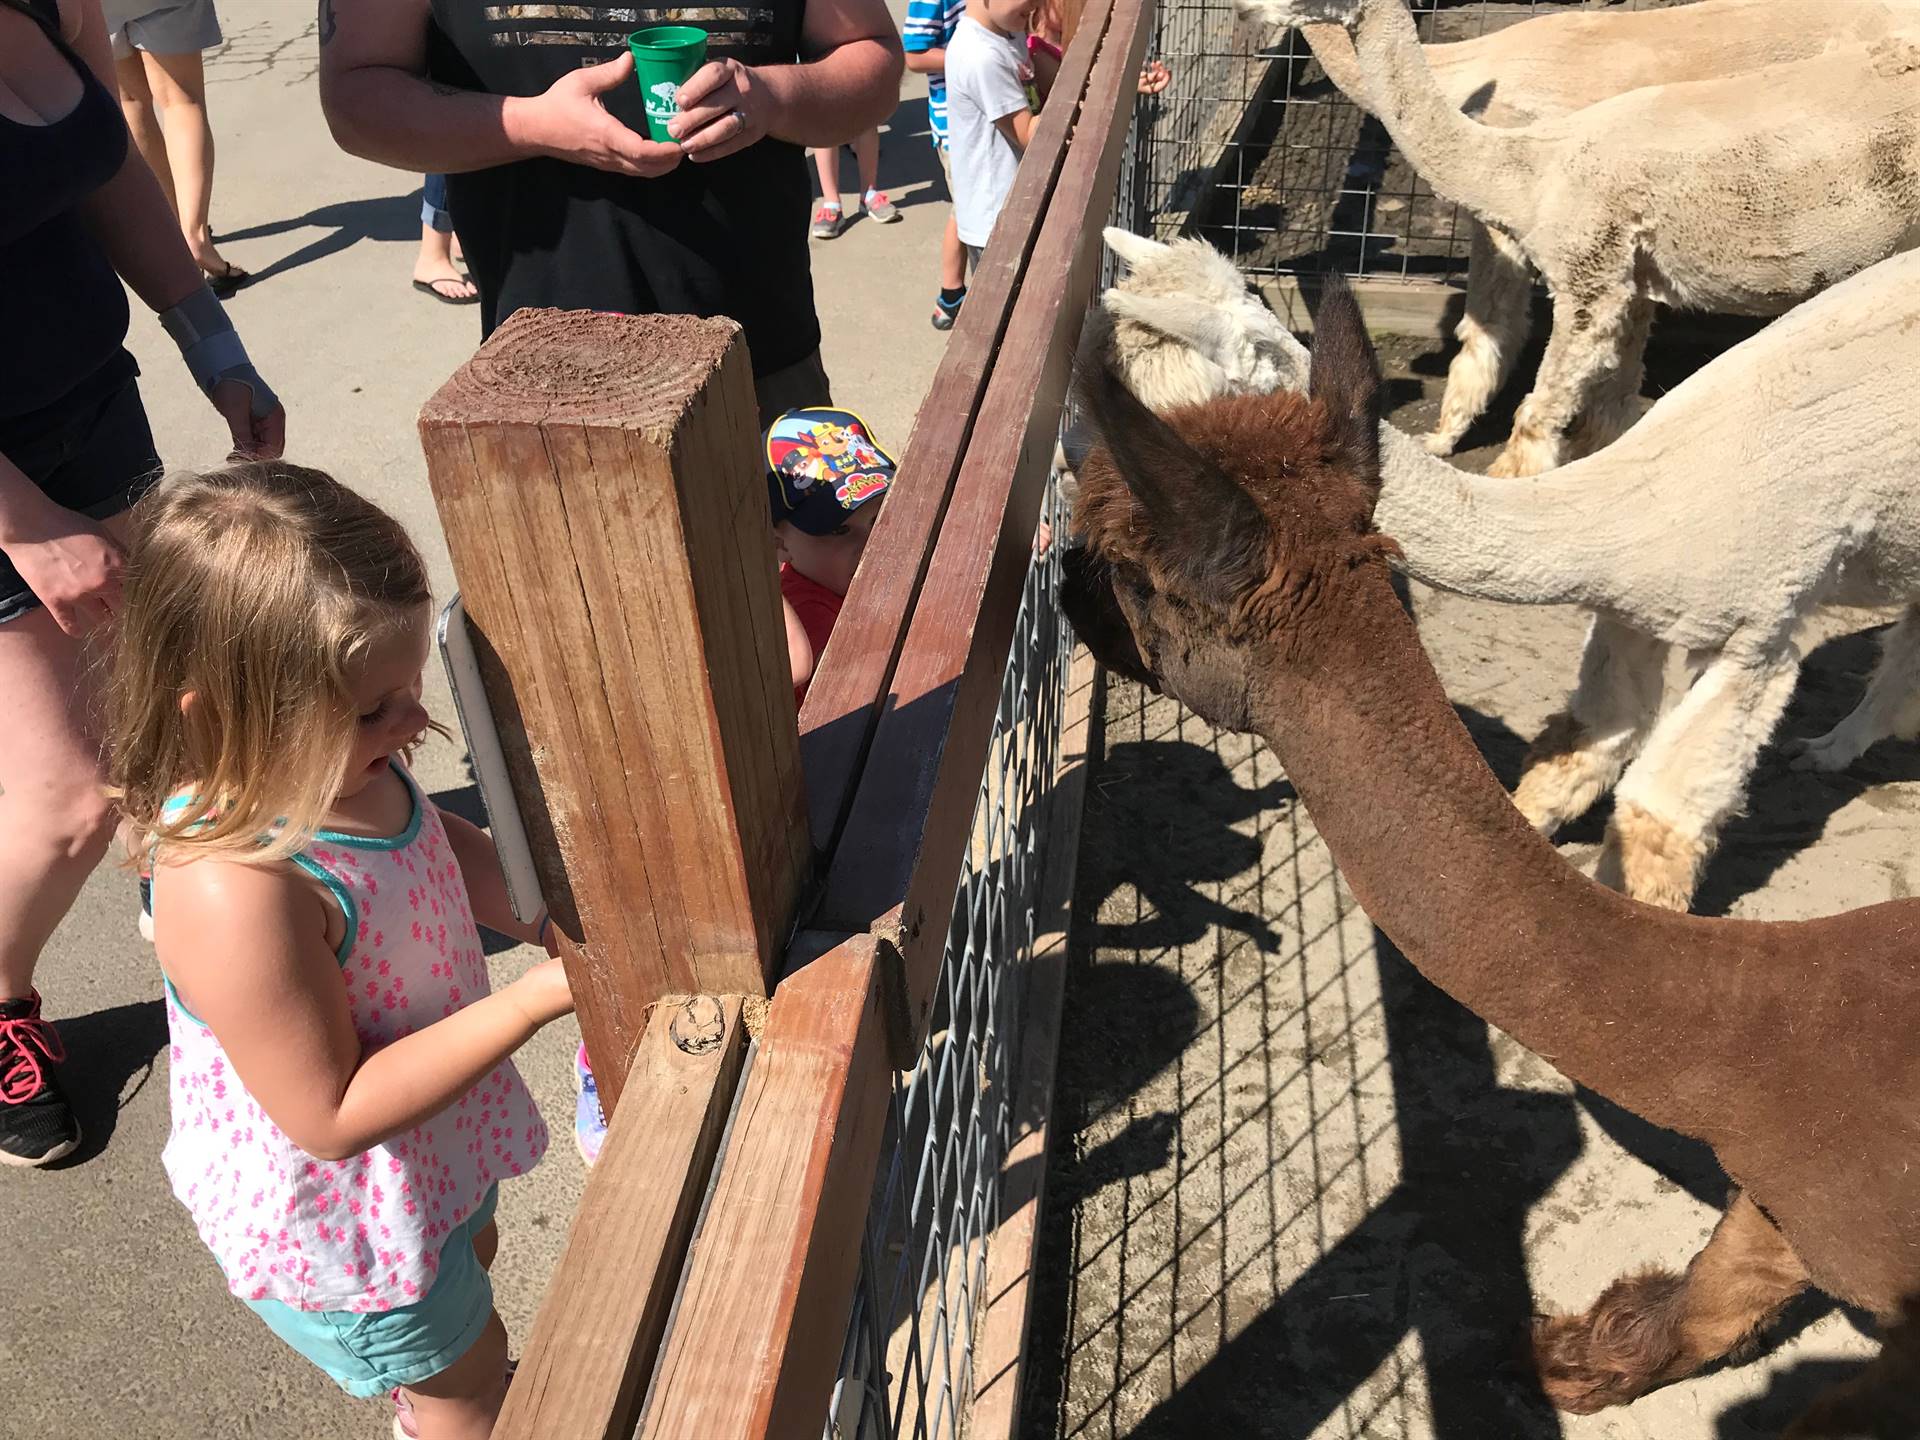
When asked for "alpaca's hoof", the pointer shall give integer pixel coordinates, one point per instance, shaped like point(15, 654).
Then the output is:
point(1575, 1369)
point(1829, 753)
point(1439, 443)
point(1525, 455)
point(1650, 860)
point(1562, 777)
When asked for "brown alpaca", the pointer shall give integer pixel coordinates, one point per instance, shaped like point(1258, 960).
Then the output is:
point(1232, 562)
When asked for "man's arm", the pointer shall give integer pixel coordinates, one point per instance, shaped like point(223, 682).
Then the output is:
point(848, 82)
point(380, 105)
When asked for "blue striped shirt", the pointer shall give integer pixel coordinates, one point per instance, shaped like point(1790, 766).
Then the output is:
point(929, 26)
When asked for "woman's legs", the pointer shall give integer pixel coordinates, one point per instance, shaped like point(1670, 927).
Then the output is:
point(136, 102)
point(435, 266)
point(179, 86)
point(55, 824)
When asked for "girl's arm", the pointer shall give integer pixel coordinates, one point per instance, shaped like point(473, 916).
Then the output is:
point(246, 947)
point(486, 886)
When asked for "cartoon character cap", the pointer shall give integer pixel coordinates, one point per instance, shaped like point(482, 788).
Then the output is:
point(822, 465)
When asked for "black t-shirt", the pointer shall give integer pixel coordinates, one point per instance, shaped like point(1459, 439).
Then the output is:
point(724, 238)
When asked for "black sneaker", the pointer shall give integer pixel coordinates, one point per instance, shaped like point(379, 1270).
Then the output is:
point(36, 1123)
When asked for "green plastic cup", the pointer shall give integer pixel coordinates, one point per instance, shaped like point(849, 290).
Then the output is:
point(663, 57)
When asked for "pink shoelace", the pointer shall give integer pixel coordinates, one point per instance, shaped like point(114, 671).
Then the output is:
point(28, 1045)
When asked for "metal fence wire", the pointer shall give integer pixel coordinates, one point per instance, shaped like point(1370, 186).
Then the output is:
point(1254, 150)
point(907, 1365)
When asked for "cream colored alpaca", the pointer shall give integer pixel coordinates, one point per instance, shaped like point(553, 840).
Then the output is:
point(1777, 478)
point(1554, 64)
point(1744, 195)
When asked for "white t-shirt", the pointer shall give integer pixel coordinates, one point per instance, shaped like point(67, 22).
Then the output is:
point(983, 85)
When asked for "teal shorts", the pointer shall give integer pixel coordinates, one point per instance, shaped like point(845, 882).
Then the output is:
point(370, 1354)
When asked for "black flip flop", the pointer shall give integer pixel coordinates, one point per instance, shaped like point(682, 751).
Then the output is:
point(430, 287)
point(224, 282)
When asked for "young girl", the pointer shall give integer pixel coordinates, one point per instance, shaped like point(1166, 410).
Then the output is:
point(343, 1102)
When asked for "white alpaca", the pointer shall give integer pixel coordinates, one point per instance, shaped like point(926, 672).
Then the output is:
point(1745, 194)
point(1778, 478)
point(1554, 64)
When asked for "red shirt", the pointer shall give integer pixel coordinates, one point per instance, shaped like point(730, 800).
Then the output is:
point(817, 607)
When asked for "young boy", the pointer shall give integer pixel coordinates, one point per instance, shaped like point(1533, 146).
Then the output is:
point(826, 476)
point(989, 121)
point(929, 27)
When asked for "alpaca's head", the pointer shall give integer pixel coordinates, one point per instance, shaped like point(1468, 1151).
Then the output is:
point(1303, 12)
point(1187, 328)
point(1221, 539)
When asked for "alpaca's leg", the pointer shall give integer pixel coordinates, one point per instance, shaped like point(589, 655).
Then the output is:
point(1491, 333)
point(1655, 1327)
point(1584, 747)
point(1588, 326)
point(1616, 399)
point(1891, 705)
point(1692, 775)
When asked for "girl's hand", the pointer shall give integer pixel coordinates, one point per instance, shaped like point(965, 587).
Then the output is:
point(1154, 77)
point(73, 566)
point(724, 108)
point(570, 122)
point(543, 994)
point(253, 439)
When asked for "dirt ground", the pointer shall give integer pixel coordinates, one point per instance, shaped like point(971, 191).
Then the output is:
point(1297, 1192)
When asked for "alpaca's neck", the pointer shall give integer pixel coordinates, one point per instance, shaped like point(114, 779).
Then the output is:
point(1489, 171)
point(1441, 861)
point(1555, 540)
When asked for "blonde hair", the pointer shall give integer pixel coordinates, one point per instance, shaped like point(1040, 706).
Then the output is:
point(255, 590)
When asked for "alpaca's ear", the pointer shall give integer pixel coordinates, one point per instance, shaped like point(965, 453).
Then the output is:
point(1205, 329)
point(1345, 377)
point(1206, 529)
point(1133, 249)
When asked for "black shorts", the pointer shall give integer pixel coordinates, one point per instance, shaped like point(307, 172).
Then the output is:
point(90, 451)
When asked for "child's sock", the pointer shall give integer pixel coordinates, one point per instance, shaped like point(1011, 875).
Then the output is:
point(951, 298)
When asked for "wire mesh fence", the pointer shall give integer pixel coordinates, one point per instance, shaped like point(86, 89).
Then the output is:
point(1254, 149)
point(907, 1366)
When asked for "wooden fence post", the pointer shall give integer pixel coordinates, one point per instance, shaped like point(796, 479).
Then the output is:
point(600, 482)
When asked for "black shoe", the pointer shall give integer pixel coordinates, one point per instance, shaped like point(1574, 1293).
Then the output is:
point(36, 1123)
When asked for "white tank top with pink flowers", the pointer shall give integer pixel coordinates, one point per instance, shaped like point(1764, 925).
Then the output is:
point(362, 1234)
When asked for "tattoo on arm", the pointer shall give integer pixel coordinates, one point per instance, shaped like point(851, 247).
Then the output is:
point(329, 22)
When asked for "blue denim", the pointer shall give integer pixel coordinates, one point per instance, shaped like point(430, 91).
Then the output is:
point(433, 204)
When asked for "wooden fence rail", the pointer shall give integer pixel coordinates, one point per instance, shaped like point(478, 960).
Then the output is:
point(601, 492)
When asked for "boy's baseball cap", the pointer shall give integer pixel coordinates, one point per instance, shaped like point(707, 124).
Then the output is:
point(822, 465)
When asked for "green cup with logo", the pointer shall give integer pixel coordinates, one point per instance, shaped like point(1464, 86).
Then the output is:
point(664, 56)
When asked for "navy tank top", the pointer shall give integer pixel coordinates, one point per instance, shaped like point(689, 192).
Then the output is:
point(61, 304)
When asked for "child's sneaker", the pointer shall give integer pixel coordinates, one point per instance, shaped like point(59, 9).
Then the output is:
point(589, 1125)
point(37, 1126)
point(827, 220)
point(879, 208)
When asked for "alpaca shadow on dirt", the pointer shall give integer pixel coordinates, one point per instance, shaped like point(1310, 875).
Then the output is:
point(1183, 804)
point(110, 1059)
point(1440, 1256)
point(1787, 809)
